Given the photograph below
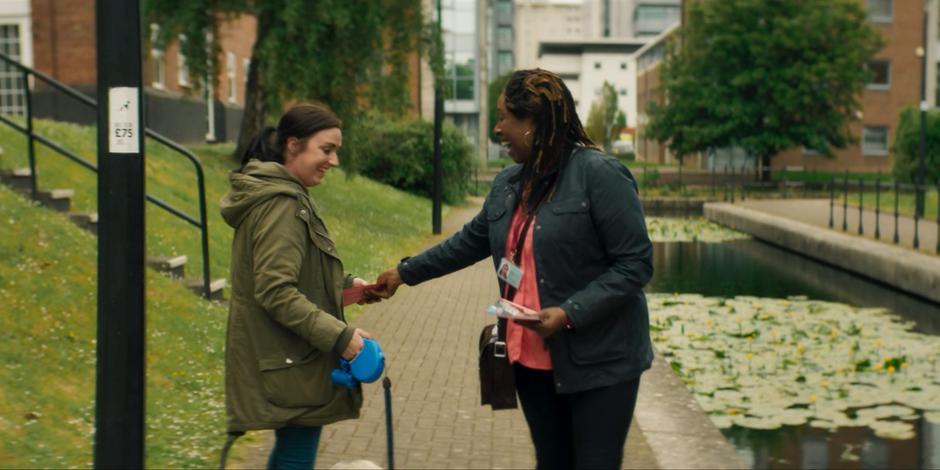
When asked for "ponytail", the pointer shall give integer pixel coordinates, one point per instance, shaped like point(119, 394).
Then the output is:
point(262, 148)
point(301, 121)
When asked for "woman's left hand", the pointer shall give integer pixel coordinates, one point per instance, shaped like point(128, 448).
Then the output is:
point(552, 320)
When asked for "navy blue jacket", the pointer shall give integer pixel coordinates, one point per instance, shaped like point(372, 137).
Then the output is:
point(592, 256)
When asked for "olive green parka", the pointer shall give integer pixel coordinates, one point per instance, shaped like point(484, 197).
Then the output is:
point(286, 327)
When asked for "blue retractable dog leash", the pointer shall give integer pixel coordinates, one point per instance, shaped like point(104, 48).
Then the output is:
point(367, 367)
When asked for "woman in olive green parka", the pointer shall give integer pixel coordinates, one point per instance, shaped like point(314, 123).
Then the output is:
point(286, 329)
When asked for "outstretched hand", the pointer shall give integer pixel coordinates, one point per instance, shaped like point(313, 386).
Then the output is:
point(388, 282)
point(368, 296)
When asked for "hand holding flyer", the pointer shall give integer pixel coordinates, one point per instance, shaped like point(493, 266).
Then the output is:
point(506, 309)
point(354, 294)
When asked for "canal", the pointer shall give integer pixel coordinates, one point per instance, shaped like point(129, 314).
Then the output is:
point(752, 268)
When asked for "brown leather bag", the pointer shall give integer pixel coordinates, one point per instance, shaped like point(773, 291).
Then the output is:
point(497, 381)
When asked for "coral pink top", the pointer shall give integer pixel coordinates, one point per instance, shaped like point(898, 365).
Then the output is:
point(524, 345)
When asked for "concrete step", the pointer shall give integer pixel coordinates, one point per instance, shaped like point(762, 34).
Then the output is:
point(85, 220)
point(173, 266)
point(18, 178)
point(216, 288)
point(57, 199)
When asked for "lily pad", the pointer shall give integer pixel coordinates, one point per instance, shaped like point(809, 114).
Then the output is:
point(787, 361)
point(667, 229)
point(893, 430)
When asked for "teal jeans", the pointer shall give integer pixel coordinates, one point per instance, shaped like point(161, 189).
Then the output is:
point(295, 448)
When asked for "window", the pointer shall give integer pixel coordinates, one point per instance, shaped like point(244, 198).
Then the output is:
point(875, 141)
point(12, 94)
point(597, 65)
point(230, 76)
point(156, 54)
point(881, 11)
point(504, 37)
point(182, 70)
point(503, 62)
point(159, 69)
point(246, 66)
point(504, 10)
point(879, 74)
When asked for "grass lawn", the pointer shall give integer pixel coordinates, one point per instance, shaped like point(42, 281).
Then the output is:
point(47, 289)
point(371, 223)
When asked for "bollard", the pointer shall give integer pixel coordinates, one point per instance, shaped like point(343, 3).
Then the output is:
point(832, 196)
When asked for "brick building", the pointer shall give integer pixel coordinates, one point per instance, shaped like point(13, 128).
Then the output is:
point(57, 38)
point(63, 47)
point(896, 84)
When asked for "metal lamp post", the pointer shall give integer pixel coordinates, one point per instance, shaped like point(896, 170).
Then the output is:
point(438, 184)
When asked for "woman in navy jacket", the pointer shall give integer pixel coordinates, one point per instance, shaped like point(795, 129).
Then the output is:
point(587, 257)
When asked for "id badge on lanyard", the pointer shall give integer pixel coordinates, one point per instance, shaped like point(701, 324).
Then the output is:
point(509, 273)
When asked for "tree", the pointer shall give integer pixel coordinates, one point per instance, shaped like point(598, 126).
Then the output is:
point(764, 75)
point(341, 53)
point(496, 87)
point(906, 146)
point(605, 119)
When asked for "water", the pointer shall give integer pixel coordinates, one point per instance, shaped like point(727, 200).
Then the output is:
point(748, 267)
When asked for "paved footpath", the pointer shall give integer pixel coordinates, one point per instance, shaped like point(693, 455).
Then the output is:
point(430, 337)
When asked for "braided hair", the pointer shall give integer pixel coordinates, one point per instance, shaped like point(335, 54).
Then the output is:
point(543, 96)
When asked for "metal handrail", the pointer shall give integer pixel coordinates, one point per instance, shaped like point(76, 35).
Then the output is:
point(201, 223)
point(897, 188)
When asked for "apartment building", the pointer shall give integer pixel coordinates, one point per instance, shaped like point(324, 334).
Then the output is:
point(648, 59)
point(629, 18)
point(586, 64)
point(895, 84)
point(57, 38)
point(62, 45)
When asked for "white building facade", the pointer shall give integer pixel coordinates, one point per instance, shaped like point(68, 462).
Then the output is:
point(586, 65)
point(535, 21)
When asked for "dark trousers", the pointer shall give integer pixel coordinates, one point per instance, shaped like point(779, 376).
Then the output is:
point(584, 430)
point(294, 448)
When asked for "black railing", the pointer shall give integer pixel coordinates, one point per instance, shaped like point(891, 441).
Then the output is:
point(201, 223)
point(877, 187)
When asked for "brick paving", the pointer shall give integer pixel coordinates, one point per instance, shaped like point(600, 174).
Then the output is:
point(430, 334)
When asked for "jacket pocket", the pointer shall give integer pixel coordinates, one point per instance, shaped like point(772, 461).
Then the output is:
point(316, 230)
point(571, 206)
point(601, 342)
point(295, 383)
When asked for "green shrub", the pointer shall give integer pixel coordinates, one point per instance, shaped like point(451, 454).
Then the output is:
point(649, 178)
point(401, 153)
point(906, 147)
